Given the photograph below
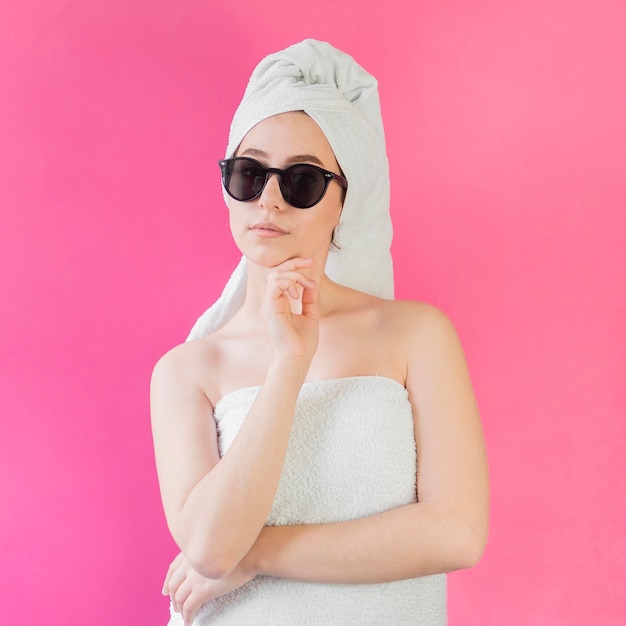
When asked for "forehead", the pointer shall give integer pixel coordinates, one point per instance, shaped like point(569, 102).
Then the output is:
point(288, 134)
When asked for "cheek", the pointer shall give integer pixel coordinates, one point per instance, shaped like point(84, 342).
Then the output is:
point(231, 220)
point(335, 204)
point(236, 212)
point(235, 221)
point(325, 223)
point(334, 213)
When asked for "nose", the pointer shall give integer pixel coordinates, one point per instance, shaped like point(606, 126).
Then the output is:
point(271, 197)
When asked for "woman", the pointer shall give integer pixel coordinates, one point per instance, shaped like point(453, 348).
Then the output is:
point(318, 445)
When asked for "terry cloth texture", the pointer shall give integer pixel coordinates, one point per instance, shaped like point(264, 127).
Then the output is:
point(351, 454)
point(342, 98)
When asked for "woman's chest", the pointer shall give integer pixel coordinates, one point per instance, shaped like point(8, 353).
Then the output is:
point(351, 452)
point(344, 350)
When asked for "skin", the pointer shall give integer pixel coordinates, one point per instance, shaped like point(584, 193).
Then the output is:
point(297, 325)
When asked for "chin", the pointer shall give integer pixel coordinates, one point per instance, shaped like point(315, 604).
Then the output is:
point(267, 258)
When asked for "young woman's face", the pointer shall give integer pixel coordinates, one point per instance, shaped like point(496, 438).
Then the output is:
point(268, 230)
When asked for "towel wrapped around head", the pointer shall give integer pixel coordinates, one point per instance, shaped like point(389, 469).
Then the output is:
point(342, 98)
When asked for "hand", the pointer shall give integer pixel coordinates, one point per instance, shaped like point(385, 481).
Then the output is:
point(188, 590)
point(293, 334)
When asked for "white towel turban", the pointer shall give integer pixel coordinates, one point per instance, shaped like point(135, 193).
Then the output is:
point(342, 98)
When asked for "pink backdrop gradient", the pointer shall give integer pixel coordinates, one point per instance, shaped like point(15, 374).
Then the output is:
point(506, 137)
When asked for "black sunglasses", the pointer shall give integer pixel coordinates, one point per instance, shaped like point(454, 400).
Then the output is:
point(302, 185)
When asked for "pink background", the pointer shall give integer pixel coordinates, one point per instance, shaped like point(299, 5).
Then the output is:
point(506, 131)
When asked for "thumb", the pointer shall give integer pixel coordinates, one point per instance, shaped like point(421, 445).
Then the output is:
point(309, 301)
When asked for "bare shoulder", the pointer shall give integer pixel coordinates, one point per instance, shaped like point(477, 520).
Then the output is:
point(428, 341)
point(406, 337)
point(183, 359)
point(417, 321)
point(186, 367)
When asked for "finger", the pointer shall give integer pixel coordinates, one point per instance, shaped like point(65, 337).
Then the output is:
point(191, 606)
point(288, 287)
point(180, 596)
point(310, 301)
point(170, 570)
point(286, 282)
point(292, 275)
point(177, 581)
point(295, 263)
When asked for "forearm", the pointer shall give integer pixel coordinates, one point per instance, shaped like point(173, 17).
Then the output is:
point(407, 542)
point(226, 510)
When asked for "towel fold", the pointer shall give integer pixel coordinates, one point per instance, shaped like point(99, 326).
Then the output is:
point(342, 98)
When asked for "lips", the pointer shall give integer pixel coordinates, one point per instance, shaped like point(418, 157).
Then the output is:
point(268, 229)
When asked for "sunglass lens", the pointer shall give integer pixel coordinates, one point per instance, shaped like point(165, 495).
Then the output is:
point(244, 179)
point(303, 186)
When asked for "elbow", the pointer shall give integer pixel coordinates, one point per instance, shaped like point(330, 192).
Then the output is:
point(209, 561)
point(208, 552)
point(471, 545)
point(209, 566)
point(212, 553)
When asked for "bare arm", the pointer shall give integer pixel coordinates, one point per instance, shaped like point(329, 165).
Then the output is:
point(215, 507)
point(446, 529)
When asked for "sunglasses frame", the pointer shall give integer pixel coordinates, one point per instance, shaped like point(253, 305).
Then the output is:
point(268, 171)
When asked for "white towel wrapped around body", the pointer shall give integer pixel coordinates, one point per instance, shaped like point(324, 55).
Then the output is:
point(342, 98)
point(351, 454)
